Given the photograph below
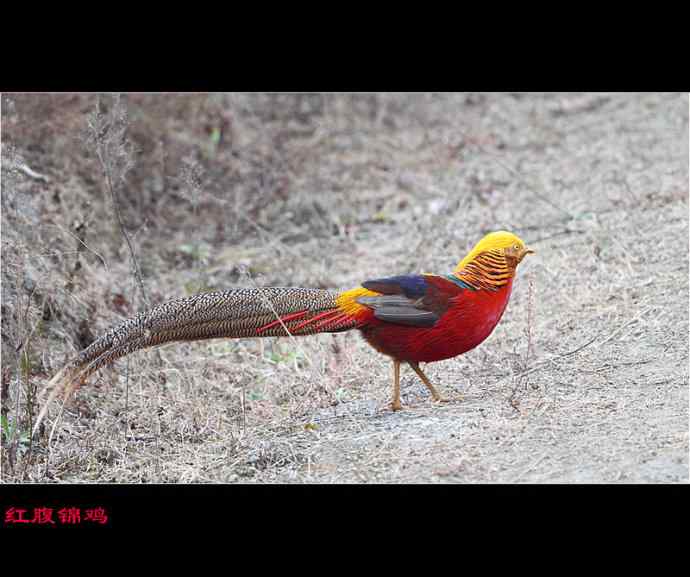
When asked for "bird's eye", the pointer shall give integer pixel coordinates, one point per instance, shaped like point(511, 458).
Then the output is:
point(516, 247)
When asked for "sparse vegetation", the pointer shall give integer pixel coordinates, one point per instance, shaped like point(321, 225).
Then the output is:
point(110, 202)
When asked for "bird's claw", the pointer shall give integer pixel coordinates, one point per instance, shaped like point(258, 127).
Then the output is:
point(447, 400)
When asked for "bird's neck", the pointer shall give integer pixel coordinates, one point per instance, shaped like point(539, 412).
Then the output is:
point(488, 270)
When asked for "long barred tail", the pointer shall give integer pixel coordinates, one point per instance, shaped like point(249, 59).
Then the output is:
point(234, 313)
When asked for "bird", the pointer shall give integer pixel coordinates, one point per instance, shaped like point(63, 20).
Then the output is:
point(411, 318)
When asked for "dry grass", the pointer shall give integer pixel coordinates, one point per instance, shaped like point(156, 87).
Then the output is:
point(584, 380)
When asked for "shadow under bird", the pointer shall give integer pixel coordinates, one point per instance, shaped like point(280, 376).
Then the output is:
point(410, 318)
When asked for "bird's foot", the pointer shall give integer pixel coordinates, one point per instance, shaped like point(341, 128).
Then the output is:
point(441, 399)
point(390, 407)
point(396, 406)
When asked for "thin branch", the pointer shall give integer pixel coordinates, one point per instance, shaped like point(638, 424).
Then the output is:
point(631, 321)
point(268, 302)
point(101, 138)
point(550, 360)
point(23, 168)
point(576, 350)
point(531, 466)
point(123, 230)
point(555, 234)
point(519, 176)
point(100, 257)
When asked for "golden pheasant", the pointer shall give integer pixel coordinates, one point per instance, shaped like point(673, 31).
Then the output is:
point(410, 318)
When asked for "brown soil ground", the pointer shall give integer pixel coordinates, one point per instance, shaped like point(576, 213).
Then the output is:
point(585, 380)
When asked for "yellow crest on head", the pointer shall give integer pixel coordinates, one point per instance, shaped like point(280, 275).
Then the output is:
point(492, 241)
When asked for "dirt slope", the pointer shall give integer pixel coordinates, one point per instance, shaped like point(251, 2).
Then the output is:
point(584, 380)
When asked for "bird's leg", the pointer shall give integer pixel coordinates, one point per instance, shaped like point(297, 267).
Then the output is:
point(395, 405)
point(427, 382)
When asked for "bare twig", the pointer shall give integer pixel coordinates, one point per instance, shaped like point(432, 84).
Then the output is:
point(300, 348)
point(529, 352)
point(23, 168)
point(565, 232)
point(532, 186)
point(268, 302)
point(552, 359)
point(530, 320)
point(100, 256)
point(531, 466)
point(105, 134)
point(576, 350)
point(631, 321)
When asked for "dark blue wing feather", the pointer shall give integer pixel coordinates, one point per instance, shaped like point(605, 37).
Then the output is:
point(400, 301)
point(415, 300)
point(413, 286)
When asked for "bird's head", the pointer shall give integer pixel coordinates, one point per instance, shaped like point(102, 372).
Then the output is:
point(508, 244)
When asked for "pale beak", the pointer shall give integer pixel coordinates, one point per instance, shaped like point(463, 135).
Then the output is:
point(525, 251)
